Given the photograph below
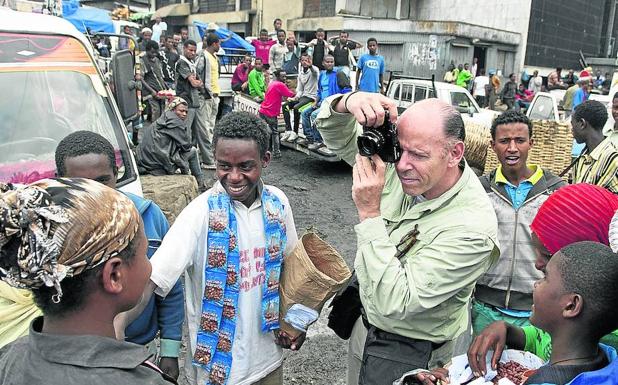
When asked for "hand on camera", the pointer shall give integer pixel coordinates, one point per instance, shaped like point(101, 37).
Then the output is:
point(368, 108)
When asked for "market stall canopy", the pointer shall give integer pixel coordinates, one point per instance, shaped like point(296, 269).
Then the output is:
point(173, 10)
point(235, 43)
point(83, 18)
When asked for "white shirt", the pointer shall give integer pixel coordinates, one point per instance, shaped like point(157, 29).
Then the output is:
point(254, 353)
point(157, 30)
point(535, 84)
point(479, 85)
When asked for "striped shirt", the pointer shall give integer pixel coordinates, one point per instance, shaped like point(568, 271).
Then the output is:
point(600, 167)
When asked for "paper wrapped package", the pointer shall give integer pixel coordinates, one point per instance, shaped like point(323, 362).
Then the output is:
point(312, 273)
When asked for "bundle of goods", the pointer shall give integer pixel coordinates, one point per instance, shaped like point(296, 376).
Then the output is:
point(477, 145)
point(312, 273)
point(514, 368)
point(552, 146)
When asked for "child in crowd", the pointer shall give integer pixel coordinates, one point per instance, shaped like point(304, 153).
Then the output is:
point(271, 106)
point(579, 212)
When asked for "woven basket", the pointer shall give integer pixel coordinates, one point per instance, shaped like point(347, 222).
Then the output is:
point(477, 143)
point(552, 147)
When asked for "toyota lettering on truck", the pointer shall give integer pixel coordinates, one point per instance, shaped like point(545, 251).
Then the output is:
point(53, 88)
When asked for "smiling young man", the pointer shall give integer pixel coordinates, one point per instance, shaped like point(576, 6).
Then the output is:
point(230, 242)
point(516, 190)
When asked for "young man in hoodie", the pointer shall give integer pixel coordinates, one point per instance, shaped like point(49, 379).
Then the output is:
point(516, 190)
point(85, 154)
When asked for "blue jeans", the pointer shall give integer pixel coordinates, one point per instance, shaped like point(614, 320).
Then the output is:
point(308, 116)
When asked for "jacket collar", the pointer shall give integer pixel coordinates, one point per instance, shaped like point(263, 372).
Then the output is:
point(547, 182)
point(85, 350)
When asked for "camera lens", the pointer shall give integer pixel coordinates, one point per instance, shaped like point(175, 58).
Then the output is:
point(369, 143)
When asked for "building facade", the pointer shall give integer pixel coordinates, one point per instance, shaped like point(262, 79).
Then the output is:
point(423, 37)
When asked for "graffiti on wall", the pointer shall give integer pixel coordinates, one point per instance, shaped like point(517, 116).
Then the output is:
point(425, 54)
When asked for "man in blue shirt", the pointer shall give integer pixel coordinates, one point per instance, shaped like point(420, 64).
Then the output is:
point(516, 190)
point(370, 69)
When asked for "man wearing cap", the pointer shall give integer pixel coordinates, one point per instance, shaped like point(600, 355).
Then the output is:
point(427, 232)
point(146, 37)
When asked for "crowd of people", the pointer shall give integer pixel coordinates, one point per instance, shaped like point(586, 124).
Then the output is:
point(281, 76)
point(91, 276)
point(487, 88)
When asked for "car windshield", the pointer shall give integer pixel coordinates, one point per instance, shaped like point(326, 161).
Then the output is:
point(47, 103)
point(462, 102)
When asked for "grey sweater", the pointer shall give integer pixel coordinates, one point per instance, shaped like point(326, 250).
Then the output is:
point(509, 282)
point(307, 83)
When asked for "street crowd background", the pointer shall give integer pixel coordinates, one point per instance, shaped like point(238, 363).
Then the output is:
point(448, 262)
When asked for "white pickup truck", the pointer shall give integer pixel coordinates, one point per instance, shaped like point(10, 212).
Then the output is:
point(547, 106)
point(407, 90)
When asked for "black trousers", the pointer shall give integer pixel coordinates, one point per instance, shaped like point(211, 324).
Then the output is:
point(295, 105)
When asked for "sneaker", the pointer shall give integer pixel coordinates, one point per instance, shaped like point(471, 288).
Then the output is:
point(314, 146)
point(208, 166)
point(277, 155)
point(285, 136)
point(302, 141)
point(326, 151)
point(292, 137)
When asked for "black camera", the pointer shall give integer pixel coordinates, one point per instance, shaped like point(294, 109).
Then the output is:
point(380, 140)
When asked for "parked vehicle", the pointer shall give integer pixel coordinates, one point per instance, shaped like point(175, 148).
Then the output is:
point(407, 90)
point(57, 88)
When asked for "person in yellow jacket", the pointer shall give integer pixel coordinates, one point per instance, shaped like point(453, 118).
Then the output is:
point(17, 310)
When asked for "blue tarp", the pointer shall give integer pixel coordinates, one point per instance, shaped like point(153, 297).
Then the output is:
point(95, 19)
point(236, 42)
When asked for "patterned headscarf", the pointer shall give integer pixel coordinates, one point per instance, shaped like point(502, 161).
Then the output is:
point(175, 103)
point(62, 227)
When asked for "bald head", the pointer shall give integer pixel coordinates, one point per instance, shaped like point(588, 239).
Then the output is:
point(428, 110)
point(430, 134)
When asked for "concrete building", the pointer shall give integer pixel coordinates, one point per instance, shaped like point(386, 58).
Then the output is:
point(422, 37)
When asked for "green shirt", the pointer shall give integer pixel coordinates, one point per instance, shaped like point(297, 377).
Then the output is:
point(257, 85)
point(539, 342)
point(425, 294)
point(463, 77)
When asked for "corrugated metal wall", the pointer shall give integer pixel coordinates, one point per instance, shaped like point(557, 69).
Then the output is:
point(414, 54)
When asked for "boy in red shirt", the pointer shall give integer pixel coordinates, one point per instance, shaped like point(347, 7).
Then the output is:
point(271, 107)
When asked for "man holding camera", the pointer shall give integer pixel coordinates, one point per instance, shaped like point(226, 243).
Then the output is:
point(427, 231)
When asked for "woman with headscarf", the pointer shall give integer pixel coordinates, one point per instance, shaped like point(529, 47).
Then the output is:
point(80, 248)
point(166, 145)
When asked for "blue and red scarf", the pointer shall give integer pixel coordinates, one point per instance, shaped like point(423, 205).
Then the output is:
point(215, 334)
